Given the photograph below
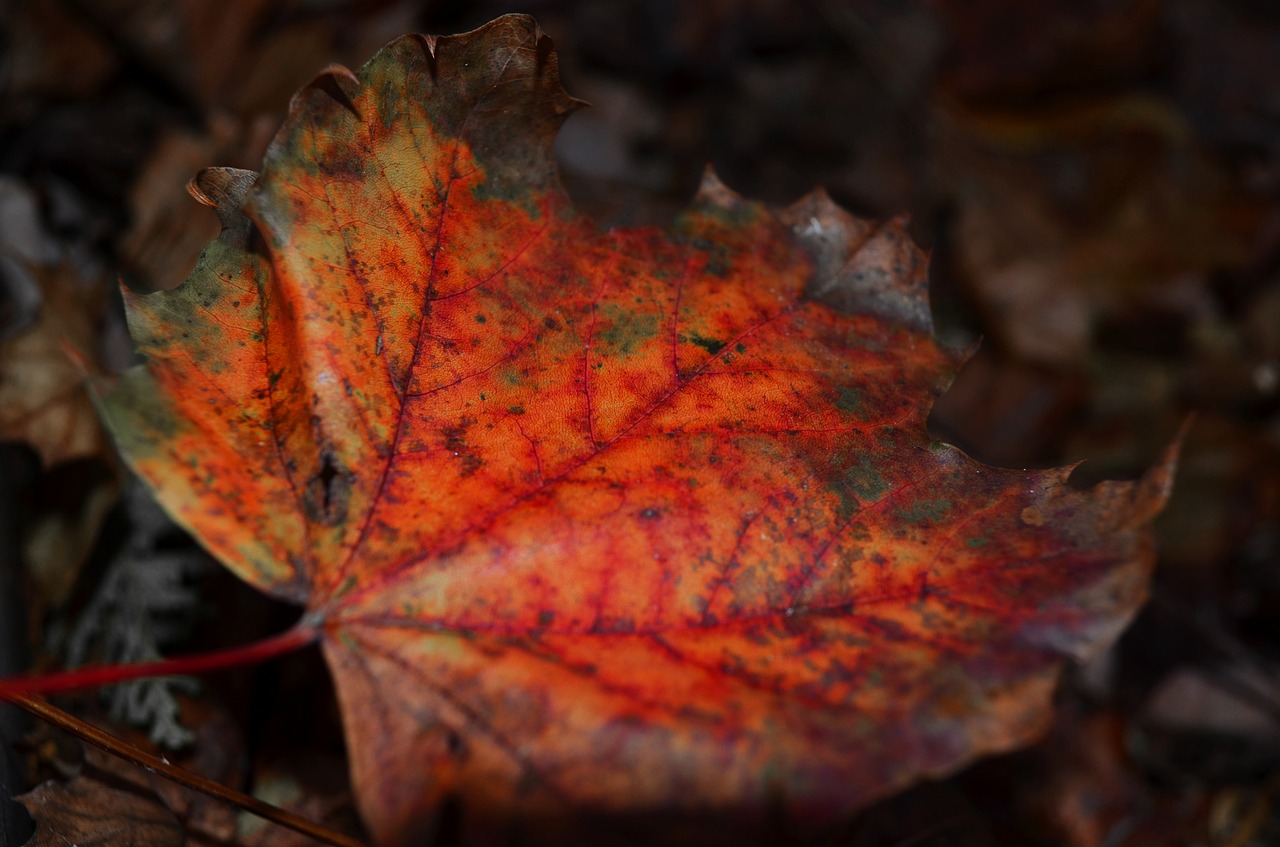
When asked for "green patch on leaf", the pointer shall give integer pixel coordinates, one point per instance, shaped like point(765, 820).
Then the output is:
point(711, 345)
point(856, 482)
point(922, 511)
point(625, 332)
point(849, 400)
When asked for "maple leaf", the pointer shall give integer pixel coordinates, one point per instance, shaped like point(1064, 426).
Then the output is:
point(627, 522)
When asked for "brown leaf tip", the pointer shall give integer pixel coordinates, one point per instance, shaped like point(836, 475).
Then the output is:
point(428, 45)
point(338, 82)
point(862, 266)
point(1153, 490)
point(713, 192)
point(225, 190)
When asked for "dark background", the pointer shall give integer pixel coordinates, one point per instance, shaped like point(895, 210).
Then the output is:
point(1097, 182)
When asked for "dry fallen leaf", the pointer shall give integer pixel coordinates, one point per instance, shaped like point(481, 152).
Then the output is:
point(111, 806)
point(43, 400)
point(639, 524)
point(45, 403)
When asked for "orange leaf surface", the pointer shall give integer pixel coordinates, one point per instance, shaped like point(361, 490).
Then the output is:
point(627, 522)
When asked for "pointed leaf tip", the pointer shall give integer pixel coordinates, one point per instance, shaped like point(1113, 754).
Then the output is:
point(341, 84)
point(428, 45)
point(224, 190)
point(863, 266)
point(1153, 490)
point(712, 191)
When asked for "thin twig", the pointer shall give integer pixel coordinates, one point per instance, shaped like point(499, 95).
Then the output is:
point(118, 747)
